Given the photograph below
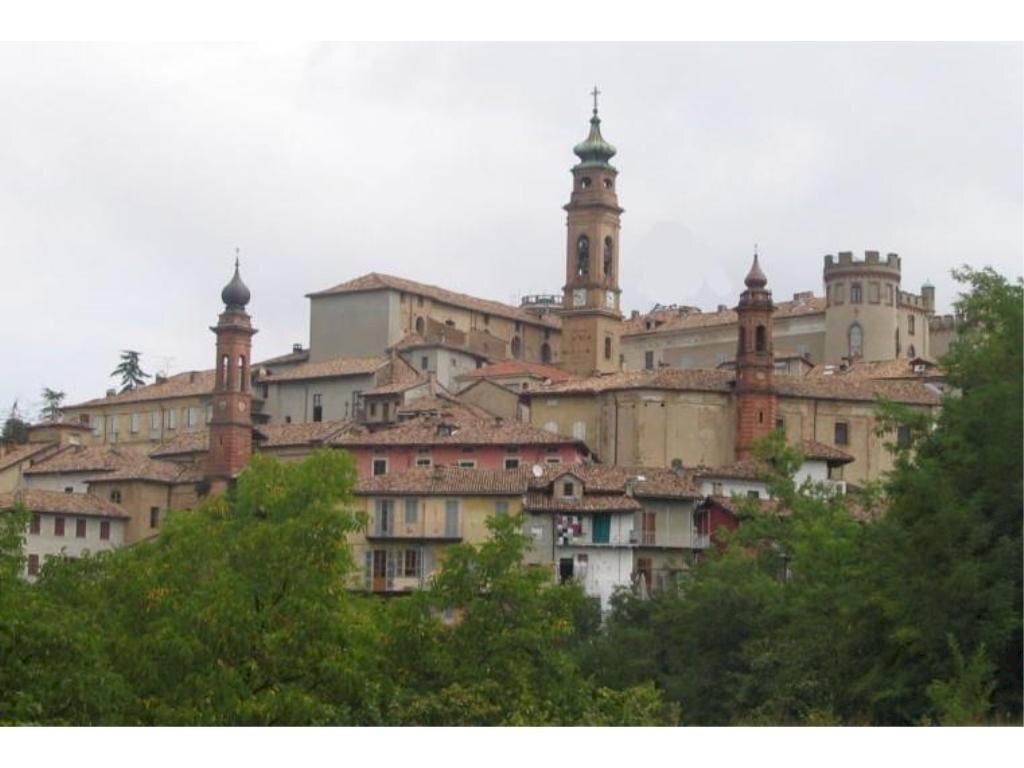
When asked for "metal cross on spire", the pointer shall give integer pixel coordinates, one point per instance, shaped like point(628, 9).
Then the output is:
point(595, 93)
point(237, 251)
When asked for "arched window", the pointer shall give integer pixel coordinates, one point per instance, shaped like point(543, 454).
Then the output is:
point(225, 363)
point(517, 347)
point(241, 373)
point(856, 335)
point(585, 182)
point(911, 352)
point(760, 339)
point(609, 248)
point(545, 352)
point(607, 347)
point(420, 325)
point(583, 256)
point(743, 340)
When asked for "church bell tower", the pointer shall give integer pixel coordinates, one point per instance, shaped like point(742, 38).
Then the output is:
point(591, 319)
point(756, 403)
point(231, 424)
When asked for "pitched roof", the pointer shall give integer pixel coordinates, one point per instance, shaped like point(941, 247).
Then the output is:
point(19, 453)
point(537, 501)
point(689, 379)
point(413, 340)
point(399, 376)
point(83, 458)
point(458, 430)
point(299, 356)
point(447, 481)
point(515, 368)
point(812, 449)
point(305, 433)
point(442, 404)
point(184, 443)
point(786, 385)
point(748, 469)
point(327, 369)
point(657, 482)
point(376, 281)
point(80, 504)
point(186, 384)
point(734, 505)
point(901, 368)
point(667, 320)
point(138, 467)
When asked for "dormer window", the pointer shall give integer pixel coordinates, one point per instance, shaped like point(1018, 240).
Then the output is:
point(568, 489)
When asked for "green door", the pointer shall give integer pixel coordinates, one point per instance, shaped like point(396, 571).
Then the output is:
point(602, 529)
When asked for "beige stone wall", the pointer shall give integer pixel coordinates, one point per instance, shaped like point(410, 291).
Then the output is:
point(353, 324)
point(294, 399)
point(493, 399)
point(709, 347)
point(137, 499)
point(583, 344)
point(155, 421)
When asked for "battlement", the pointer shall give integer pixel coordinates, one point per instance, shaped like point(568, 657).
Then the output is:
point(943, 323)
point(872, 261)
point(907, 299)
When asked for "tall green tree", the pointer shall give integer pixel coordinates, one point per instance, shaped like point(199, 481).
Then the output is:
point(15, 426)
point(130, 370)
point(52, 411)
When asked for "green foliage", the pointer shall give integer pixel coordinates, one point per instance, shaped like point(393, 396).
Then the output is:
point(811, 617)
point(51, 412)
point(130, 370)
point(15, 426)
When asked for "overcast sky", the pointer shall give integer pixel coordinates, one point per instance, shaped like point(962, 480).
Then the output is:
point(129, 174)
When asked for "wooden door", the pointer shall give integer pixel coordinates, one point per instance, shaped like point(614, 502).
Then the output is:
point(380, 570)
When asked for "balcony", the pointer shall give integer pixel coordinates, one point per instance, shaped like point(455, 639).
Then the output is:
point(413, 532)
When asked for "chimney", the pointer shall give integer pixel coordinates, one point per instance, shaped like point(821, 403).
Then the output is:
point(297, 347)
point(634, 314)
point(160, 378)
point(723, 308)
point(111, 392)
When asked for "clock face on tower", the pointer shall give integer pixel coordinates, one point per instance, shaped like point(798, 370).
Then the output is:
point(609, 299)
point(579, 297)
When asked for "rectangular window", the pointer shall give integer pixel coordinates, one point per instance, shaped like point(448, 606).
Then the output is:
point(35, 524)
point(424, 363)
point(602, 529)
point(58, 526)
point(874, 292)
point(890, 293)
point(412, 511)
point(423, 461)
point(105, 530)
point(647, 527)
point(97, 426)
point(753, 494)
point(780, 423)
point(384, 519)
point(192, 416)
point(838, 293)
point(385, 411)
point(373, 409)
point(154, 517)
point(33, 565)
point(501, 508)
point(80, 527)
point(903, 436)
point(113, 424)
point(209, 413)
point(265, 388)
point(467, 463)
point(380, 467)
point(115, 495)
point(133, 423)
point(568, 489)
point(649, 360)
point(511, 462)
point(842, 433)
point(154, 421)
point(855, 293)
point(553, 460)
point(172, 418)
point(412, 563)
point(83, 419)
point(318, 407)
point(645, 568)
point(910, 325)
point(451, 518)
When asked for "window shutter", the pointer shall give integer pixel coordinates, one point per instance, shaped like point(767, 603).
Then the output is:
point(368, 572)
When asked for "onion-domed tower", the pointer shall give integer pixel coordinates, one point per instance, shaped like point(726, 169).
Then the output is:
point(591, 320)
point(231, 425)
point(755, 363)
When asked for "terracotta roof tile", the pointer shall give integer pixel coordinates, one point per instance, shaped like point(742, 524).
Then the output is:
point(812, 449)
point(20, 453)
point(182, 444)
point(326, 369)
point(516, 368)
point(840, 388)
point(738, 470)
point(83, 458)
point(80, 504)
point(658, 482)
point(691, 379)
point(376, 282)
point(676, 320)
point(902, 368)
point(186, 384)
point(429, 430)
point(153, 470)
point(734, 505)
point(445, 481)
point(616, 502)
point(443, 405)
point(306, 433)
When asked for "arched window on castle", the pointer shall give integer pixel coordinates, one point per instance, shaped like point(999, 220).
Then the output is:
point(582, 256)
point(419, 325)
point(241, 373)
point(609, 261)
point(856, 338)
point(225, 364)
point(760, 339)
point(517, 347)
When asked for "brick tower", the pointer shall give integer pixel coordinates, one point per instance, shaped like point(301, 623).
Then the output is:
point(755, 364)
point(231, 425)
point(591, 320)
